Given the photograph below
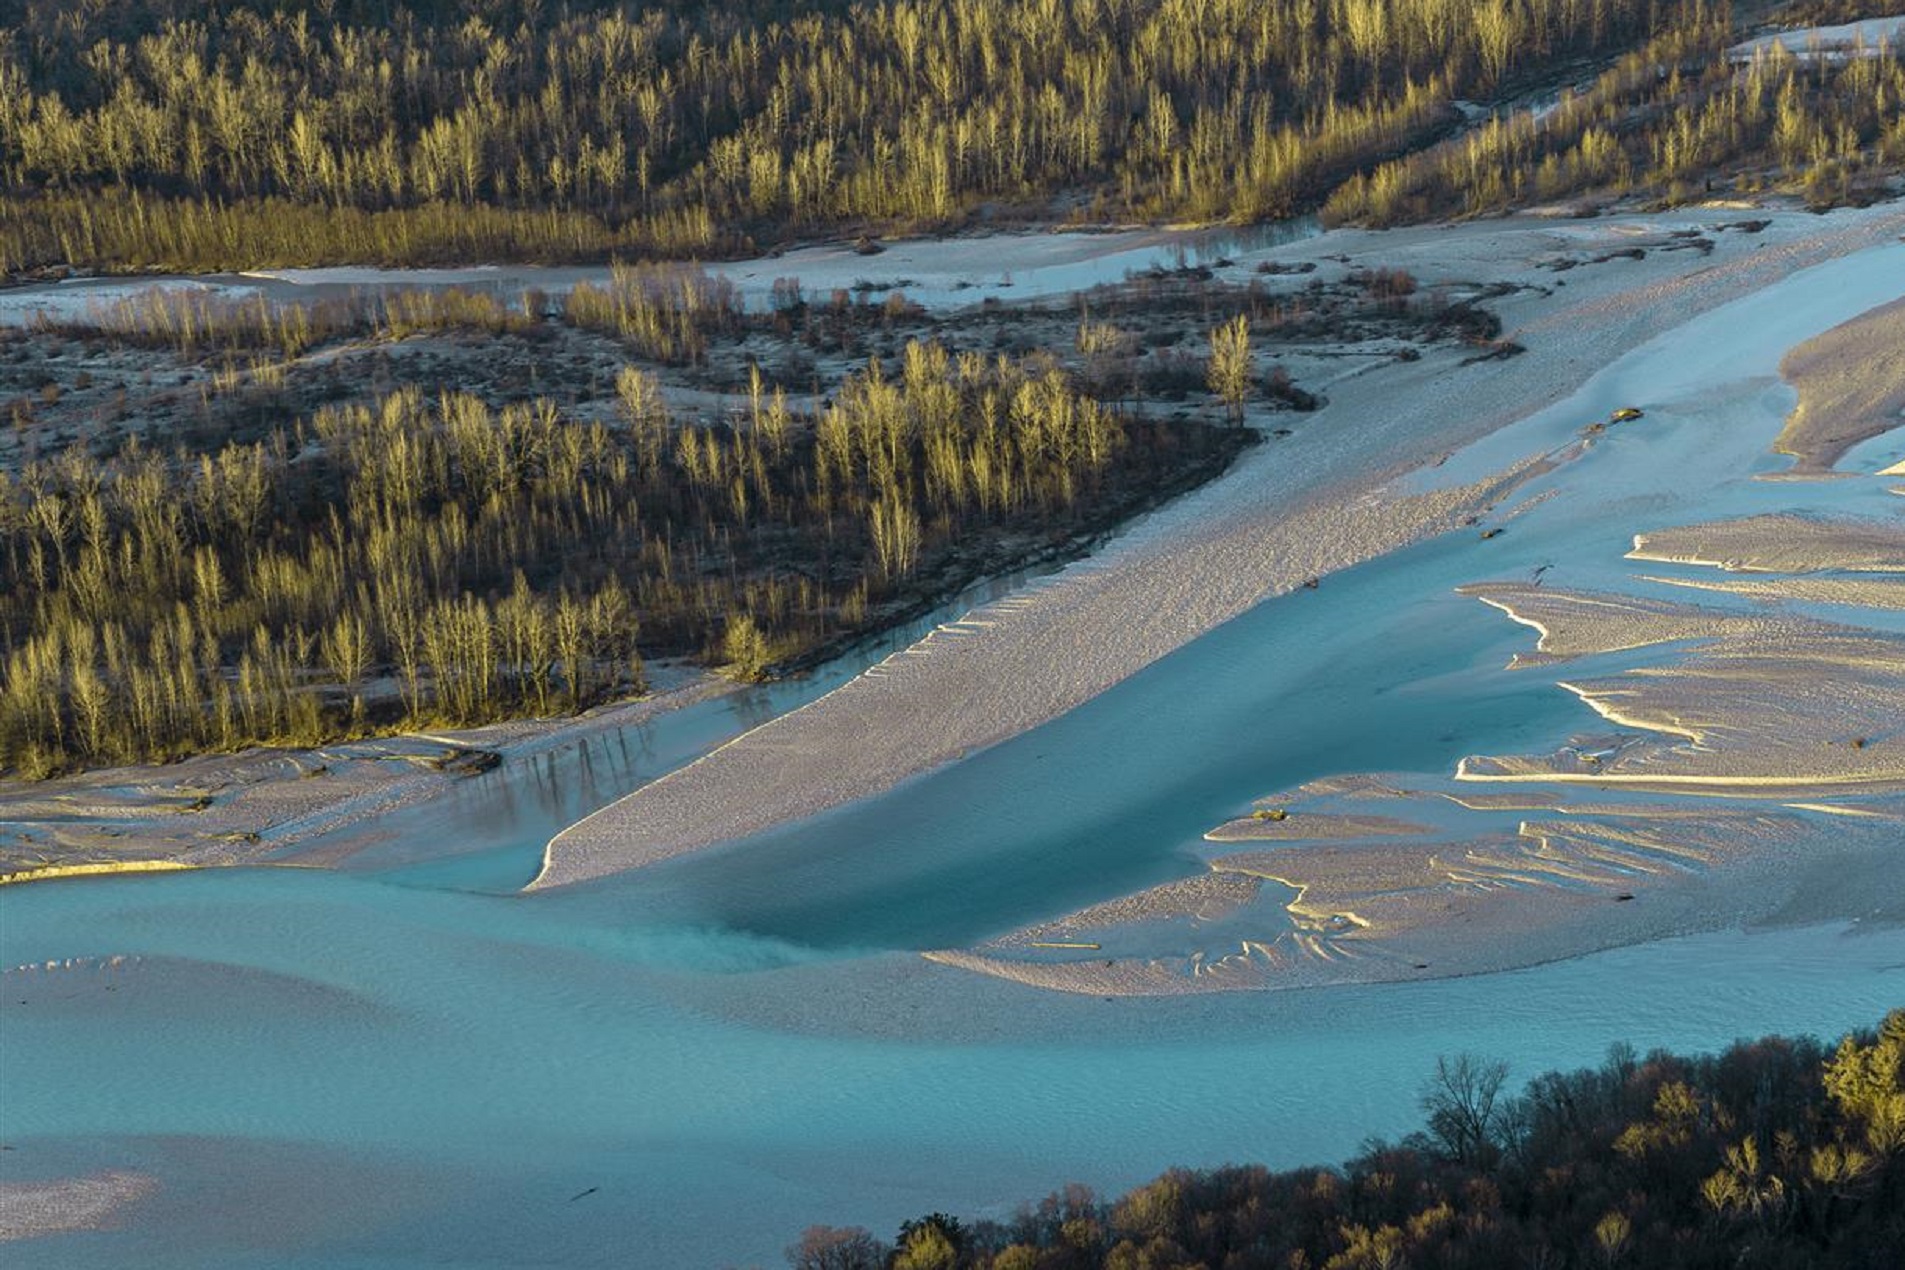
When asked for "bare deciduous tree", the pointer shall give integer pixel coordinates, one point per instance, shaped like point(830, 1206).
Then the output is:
point(1230, 364)
point(1465, 1107)
point(837, 1248)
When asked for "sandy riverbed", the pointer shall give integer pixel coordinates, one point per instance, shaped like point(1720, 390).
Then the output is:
point(773, 1059)
point(1374, 471)
point(274, 804)
point(1750, 769)
point(1341, 492)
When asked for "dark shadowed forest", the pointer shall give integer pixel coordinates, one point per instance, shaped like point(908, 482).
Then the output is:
point(1776, 1153)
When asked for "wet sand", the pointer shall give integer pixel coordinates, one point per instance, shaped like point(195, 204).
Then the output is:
point(270, 803)
point(30, 1210)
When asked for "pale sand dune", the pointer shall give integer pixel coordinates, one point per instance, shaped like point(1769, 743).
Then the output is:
point(1382, 891)
point(1514, 800)
point(1656, 811)
point(1780, 543)
point(1875, 811)
point(1343, 785)
point(1311, 826)
point(29, 1210)
point(1206, 898)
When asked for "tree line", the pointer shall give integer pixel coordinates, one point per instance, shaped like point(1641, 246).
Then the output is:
point(1776, 1153)
point(1676, 120)
point(415, 560)
point(247, 134)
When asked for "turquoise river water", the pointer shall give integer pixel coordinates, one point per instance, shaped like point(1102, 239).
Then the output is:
point(409, 1064)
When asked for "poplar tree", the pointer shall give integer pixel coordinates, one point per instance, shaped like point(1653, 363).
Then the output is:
point(1229, 369)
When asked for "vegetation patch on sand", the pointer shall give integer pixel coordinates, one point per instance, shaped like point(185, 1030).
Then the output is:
point(416, 561)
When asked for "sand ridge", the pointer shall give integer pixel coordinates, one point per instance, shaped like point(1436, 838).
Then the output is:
point(1469, 893)
point(1780, 543)
point(1867, 593)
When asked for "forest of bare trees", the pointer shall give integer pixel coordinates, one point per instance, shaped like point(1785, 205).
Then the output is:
point(436, 560)
point(248, 134)
point(1676, 120)
point(1776, 1153)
